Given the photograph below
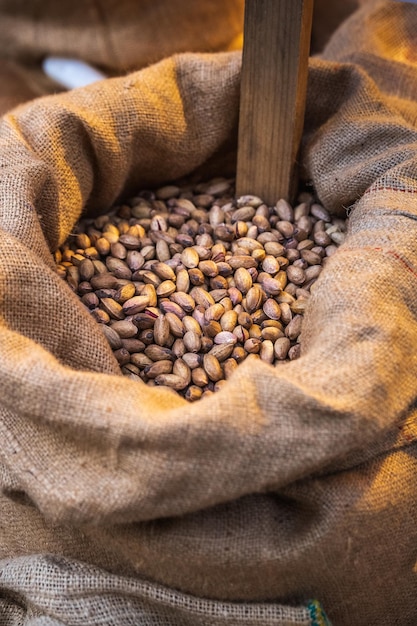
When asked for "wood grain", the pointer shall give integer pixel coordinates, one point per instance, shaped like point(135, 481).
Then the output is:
point(273, 91)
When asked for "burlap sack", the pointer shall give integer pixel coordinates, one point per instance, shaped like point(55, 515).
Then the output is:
point(116, 37)
point(327, 16)
point(123, 36)
point(122, 504)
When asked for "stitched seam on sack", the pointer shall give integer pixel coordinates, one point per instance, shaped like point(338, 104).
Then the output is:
point(397, 257)
point(392, 253)
point(384, 188)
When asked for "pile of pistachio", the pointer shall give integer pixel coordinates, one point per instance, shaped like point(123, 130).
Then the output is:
point(187, 281)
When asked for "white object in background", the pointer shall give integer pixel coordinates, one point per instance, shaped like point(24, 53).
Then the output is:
point(71, 73)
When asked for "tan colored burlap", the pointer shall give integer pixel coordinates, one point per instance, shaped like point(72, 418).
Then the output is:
point(123, 36)
point(123, 504)
point(115, 36)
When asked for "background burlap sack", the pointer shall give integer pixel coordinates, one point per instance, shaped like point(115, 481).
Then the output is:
point(116, 37)
point(327, 15)
point(123, 36)
point(291, 483)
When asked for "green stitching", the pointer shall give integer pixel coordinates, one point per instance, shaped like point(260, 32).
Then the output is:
point(317, 614)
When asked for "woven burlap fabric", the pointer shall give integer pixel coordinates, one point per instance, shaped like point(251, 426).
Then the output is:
point(116, 36)
point(98, 600)
point(122, 36)
point(292, 482)
point(130, 34)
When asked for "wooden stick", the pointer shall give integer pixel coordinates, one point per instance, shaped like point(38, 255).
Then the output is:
point(273, 90)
